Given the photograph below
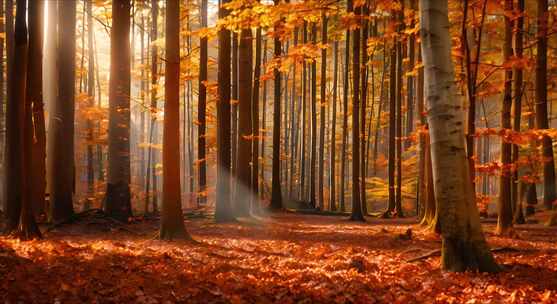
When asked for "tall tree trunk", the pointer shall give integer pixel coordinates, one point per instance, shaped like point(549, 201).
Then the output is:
point(345, 84)
point(91, 96)
point(294, 124)
point(255, 120)
point(399, 87)
point(202, 108)
point(392, 128)
point(504, 207)
point(2, 96)
point(363, 107)
point(423, 146)
point(22, 77)
point(302, 196)
point(223, 212)
point(151, 168)
point(35, 106)
point(464, 245)
point(118, 203)
point(549, 190)
point(410, 79)
point(332, 160)
point(313, 124)
point(276, 196)
point(263, 125)
point(357, 212)
point(323, 103)
point(172, 221)
point(61, 132)
point(234, 107)
point(518, 90)
point(245, 132)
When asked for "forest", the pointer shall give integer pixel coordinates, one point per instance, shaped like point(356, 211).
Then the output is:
point(294, 151)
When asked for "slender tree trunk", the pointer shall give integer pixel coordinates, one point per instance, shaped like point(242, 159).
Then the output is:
point(323, 103)
point(392, 129)
point(234, 107)
point(357, 212)
point(223, 212)
point(518, 91)
point(2, 97)
point(172, 221)
point(504, 207)
point(294, 124)
point(410, 79)
point(549, 190)
point(245, 132)
point(345, 89)
point(313, 111)
point(151, 169)
point(91, 96)
point(399, 87)
point(464, 245)
point(61, 132)
point(118, 203)
point(332, 161)
point(202, 108)
point(363, 107)
point(423, 146)
point(303, 196)
point(255, 120)
point(276, 198)
point(263, 129)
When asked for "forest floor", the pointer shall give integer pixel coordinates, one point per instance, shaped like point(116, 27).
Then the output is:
point(285, 258)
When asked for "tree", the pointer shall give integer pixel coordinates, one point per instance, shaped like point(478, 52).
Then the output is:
point(518, 91)
point(345, 88)
point(245, 131)
point(255, 117)
point(223, 212)
point(392, 129)
point(35, 105)
point(91, 96)
point(2, 91)
point(276, 196)
point(398, 123)
point(151, 170)
point(61, 171)
point(549, 190)
point(504, 207)
point(332, 161)
point(117, 202)
point(202, 107)
point(357, 212)
point(464, 246)
point(313, 123)
point(172, 220)
point(20, 133)
point(322, 114)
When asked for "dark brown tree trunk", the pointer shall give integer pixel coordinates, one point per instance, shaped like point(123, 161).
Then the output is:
point(357, 212)
point(504, 207)
point(313, 123)
point(549, 190)
point(410, 79)
point(172, 221)
point(518, 215)
point(223, 212)
point(245, 132)
point(276, 196)
point(363, 107)
point(323, 103)
point(202, 108)
point(345, 92)
point(255, 119)
point(234, 107)
point(399, 87)
point(118, 203)
point(35, 105)
point(61, 126)
point(2, 95)
point(302, 196)
point(392, 129)
point(332, 160)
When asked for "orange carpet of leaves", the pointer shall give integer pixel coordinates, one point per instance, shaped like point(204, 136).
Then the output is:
point(282, 258)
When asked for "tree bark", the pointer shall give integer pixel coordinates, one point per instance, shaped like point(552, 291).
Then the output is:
point(332, 160)
point(255, 119)
point(118, 203)
point(345, 92)
point(518, 215)
point(276, 196)
point(323, 103)
point(464, 245)
point(245, 132)
point(504, 207)
point(61, 132)
point(223, 212)
point(549, 190)
point(357, 212)
point(172, 220)
point(202, 108)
